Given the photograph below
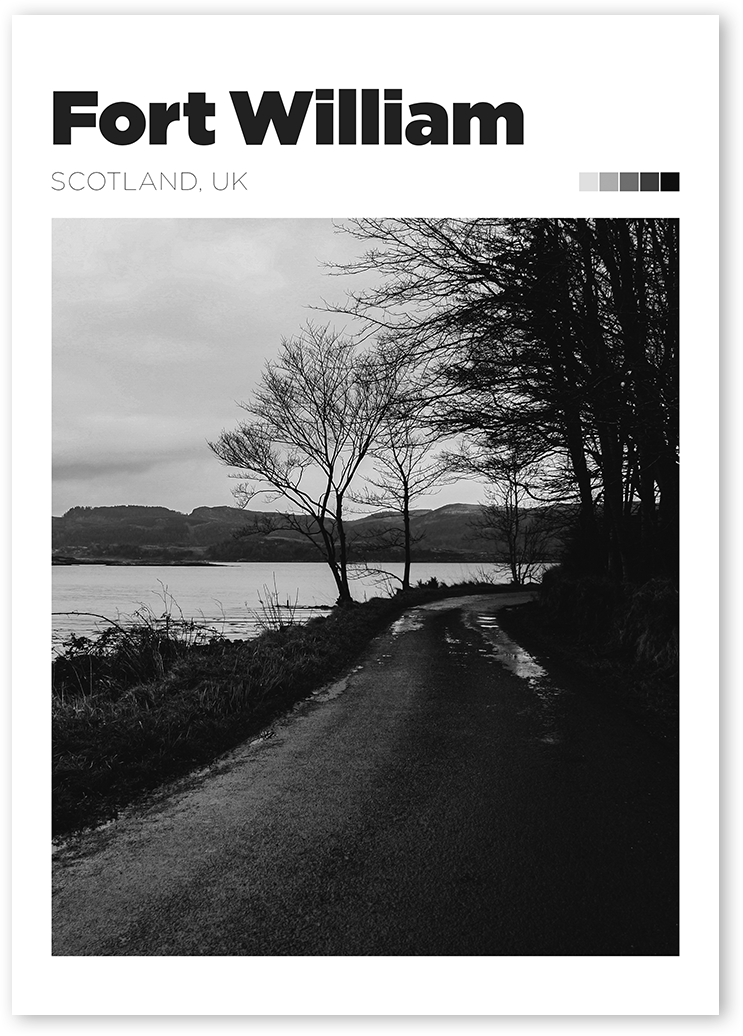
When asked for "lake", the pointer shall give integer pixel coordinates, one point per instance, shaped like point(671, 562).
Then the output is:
point(227, 597)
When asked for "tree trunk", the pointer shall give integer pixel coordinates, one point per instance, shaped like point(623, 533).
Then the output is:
point(408, 545)
point(344, 591)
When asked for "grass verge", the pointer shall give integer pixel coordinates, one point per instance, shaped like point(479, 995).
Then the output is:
point(618, 641)
point(143, 705)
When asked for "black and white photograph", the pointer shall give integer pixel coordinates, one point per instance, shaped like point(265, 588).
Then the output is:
point(367, 366)
point(365, 586)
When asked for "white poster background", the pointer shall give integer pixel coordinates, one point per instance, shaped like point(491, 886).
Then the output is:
point(598, 93)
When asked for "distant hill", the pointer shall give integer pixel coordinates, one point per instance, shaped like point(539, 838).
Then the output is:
point(130, 532)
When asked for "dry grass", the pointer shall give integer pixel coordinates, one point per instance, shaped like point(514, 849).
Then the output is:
point(141, 704)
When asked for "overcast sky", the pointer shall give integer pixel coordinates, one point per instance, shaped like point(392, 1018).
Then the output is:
point(159, 327)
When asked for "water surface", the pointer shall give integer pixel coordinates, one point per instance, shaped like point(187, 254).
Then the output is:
point(226, 596)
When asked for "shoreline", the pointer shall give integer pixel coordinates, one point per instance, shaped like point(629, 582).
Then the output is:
point(65, 562)
point(183, 709)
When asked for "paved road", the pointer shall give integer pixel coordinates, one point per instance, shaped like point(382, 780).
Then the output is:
point(447, 798)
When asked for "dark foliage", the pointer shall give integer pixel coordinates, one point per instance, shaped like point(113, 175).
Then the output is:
point(141, 705)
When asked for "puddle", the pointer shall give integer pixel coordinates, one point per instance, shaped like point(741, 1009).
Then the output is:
point(518, 661)
point(510, 654)
point(406, 624)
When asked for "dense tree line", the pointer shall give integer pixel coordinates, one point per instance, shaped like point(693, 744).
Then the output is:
point(123, 512)
point(543, 353)
point(551, 340)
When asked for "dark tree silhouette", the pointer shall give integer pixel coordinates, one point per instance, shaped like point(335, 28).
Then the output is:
point(564, 330)
point(315, 415)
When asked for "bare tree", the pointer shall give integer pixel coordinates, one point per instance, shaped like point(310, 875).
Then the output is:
point(522, 475)
point(315, 415)
point(523, 534)
point(405, 470)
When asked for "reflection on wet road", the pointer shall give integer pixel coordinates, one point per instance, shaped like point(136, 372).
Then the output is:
point(518, 661)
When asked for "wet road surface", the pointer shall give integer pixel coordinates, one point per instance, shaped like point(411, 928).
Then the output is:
point(447, 798)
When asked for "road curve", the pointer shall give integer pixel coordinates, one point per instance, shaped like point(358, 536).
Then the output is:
point(448, 797)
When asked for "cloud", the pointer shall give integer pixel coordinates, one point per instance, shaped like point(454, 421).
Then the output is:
point(95, 467)
point(159, 327)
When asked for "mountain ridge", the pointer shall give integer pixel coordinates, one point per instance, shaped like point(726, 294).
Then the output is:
point(140, 533)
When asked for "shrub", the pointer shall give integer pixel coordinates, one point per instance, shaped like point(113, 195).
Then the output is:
point(586, 605)
point(151, 699)
point(638, 623)
point(648, 625)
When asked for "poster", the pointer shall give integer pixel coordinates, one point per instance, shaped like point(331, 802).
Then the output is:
point(151, 137)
